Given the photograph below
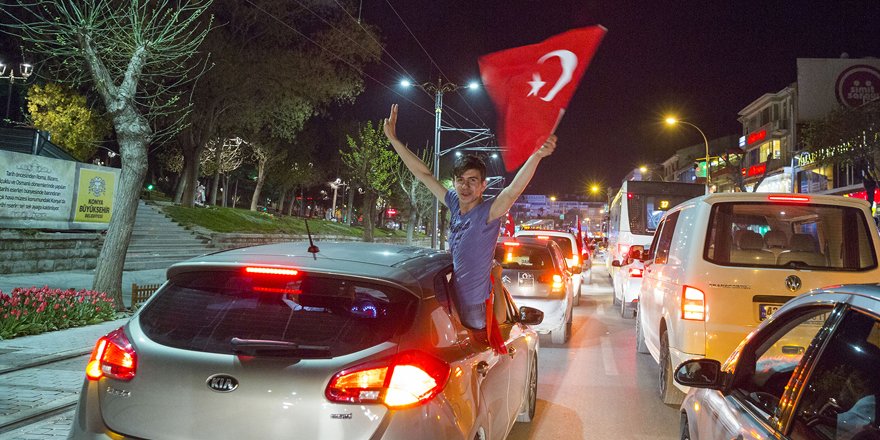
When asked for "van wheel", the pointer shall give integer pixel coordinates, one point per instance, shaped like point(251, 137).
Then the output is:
point(641, 346)
point(528, 413)
point(577, 298)
point(669, 393)
point(627, 311)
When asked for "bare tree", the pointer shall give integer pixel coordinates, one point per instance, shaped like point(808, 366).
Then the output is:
point(136, 55)
point(220, 157)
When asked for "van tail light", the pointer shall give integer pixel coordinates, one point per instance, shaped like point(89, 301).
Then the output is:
point(635, 272)
point(113, 357)
point(407, 379)
point(557, 285)
point(693, 304)
point(622, 249)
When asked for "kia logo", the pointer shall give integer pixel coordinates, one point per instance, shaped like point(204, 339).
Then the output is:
point(793, 283)
point(222, 383)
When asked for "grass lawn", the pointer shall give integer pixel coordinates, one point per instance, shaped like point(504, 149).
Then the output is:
point(244, 221)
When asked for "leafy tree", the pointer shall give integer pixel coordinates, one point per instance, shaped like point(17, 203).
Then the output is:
point(417, 196)
point(67, 116)
point(137, 55)
point(371, 165)
point(276, 65)
point(848, 136)
point(221, 157)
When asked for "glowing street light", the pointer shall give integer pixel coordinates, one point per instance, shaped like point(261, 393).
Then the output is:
point(671, 120)
point(643, 169)
point(594, 189)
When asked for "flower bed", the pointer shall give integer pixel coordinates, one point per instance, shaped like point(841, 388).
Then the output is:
point(37, 310)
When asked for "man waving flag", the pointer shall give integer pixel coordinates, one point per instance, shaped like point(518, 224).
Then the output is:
point(531, 86)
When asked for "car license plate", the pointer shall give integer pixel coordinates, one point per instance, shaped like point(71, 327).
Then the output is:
point(526, 279)
point(766, 310)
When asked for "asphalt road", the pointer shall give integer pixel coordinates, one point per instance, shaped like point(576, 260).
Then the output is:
point(596, 386)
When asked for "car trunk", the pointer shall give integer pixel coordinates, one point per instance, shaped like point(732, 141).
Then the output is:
point(170, 397)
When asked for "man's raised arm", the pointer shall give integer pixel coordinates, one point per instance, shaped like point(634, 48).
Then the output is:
point(412, 162)
point(508, 195)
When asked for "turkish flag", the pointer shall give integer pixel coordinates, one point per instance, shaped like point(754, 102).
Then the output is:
point(531, 86)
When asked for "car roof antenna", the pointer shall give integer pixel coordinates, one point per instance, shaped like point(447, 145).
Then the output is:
point(312, 248)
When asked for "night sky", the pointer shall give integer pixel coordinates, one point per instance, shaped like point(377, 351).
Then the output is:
point(703, 60)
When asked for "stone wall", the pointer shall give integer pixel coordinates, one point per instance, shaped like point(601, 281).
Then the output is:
point(26, 251)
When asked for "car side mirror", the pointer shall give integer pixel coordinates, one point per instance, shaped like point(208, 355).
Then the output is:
point(616, 263)
point(700, 373)
point(576, 269)
point(530, 315)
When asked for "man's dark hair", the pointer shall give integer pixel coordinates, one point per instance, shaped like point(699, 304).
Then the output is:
point(469, 162)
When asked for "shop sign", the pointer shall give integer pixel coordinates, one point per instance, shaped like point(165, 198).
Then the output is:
point(757, 137)
point(755, 170)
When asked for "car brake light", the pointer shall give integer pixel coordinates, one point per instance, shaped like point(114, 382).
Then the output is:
point(113, 357)
point(543, 237)
point(789, 198)
point(271, 271)
point(693, 304)
point(622, 249)
point(635, 272)
point(510, 243)
point(557, 285)
point(408, 379)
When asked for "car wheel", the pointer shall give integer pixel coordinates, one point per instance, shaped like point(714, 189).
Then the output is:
point(684, 427)
point(669, 393)
point(641, 346)
point(561, 334)
point(528, 413)
point(577, 298)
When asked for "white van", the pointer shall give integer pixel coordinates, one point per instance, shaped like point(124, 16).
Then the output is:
point(632, 219)
point(722, 263)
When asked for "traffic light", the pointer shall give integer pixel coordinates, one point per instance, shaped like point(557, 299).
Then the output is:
point(150, 187)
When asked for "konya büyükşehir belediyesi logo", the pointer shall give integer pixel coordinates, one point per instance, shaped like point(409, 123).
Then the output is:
point(94, 197)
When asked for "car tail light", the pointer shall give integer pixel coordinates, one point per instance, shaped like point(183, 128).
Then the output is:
point(113, 357)
point(557, 285)
point(271, 271)
point(511, 243)
point(622, 249)
point(635, 272)
point(407, 379)
point(789, 198)
point(543, 237)
point(693, 304)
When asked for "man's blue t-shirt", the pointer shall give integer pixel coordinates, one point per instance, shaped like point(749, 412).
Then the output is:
point(472, 242)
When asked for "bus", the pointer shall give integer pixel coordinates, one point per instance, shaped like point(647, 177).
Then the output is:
point(636, 210)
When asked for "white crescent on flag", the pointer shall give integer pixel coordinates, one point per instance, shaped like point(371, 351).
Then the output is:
point(569, 62)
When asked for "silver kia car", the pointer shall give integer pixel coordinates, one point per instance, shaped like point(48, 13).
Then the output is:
point(352, 341)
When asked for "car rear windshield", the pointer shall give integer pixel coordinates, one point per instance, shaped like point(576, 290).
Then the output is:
point(314, 316)
point(524, 257)
point(790, 235)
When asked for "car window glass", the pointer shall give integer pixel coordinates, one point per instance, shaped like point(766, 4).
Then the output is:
point(789, 235)
point(564, 244)
point(840, 399)
point(765, 366)
point(204, 311)
point(665, 240)
point(654, 240)
point(524, 257)
point(441, 291)
point(560, 259)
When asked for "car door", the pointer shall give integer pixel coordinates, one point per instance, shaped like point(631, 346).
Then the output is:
point(519, 361)
point(765, 365)
point(841, 396)
point(659, 288)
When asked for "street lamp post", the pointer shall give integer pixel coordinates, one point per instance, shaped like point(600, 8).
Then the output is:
point(25, 71)
point(672, 121)
point(438, 89)
point(335, 185)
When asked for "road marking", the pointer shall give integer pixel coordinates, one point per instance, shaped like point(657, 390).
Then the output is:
point(608, 356)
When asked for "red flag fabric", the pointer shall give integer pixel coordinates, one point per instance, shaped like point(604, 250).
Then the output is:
point(531, 86)
point(509, 227)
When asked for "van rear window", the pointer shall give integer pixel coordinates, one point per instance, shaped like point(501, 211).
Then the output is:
point(332, 316)
point(809, 236)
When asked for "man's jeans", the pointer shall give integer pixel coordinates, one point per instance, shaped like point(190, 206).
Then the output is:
point(473, 316)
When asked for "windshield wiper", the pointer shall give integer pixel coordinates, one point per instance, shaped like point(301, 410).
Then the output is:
point(240, 345)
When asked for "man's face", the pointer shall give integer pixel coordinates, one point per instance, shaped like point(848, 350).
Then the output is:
point(469, 186)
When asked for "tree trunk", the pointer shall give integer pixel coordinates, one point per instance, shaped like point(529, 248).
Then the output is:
point(442, 221)
point(133, 133)
point(183, 181)
point(292, 202)
point(281, 201)
point(225, 189)
point(411, 225)
point(191, 167)
point(369, 212)
point(216, 175)
point(350, 207)
point(261, 178)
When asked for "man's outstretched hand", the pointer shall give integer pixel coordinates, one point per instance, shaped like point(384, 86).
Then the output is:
point(544, 151)
point(390, 125)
